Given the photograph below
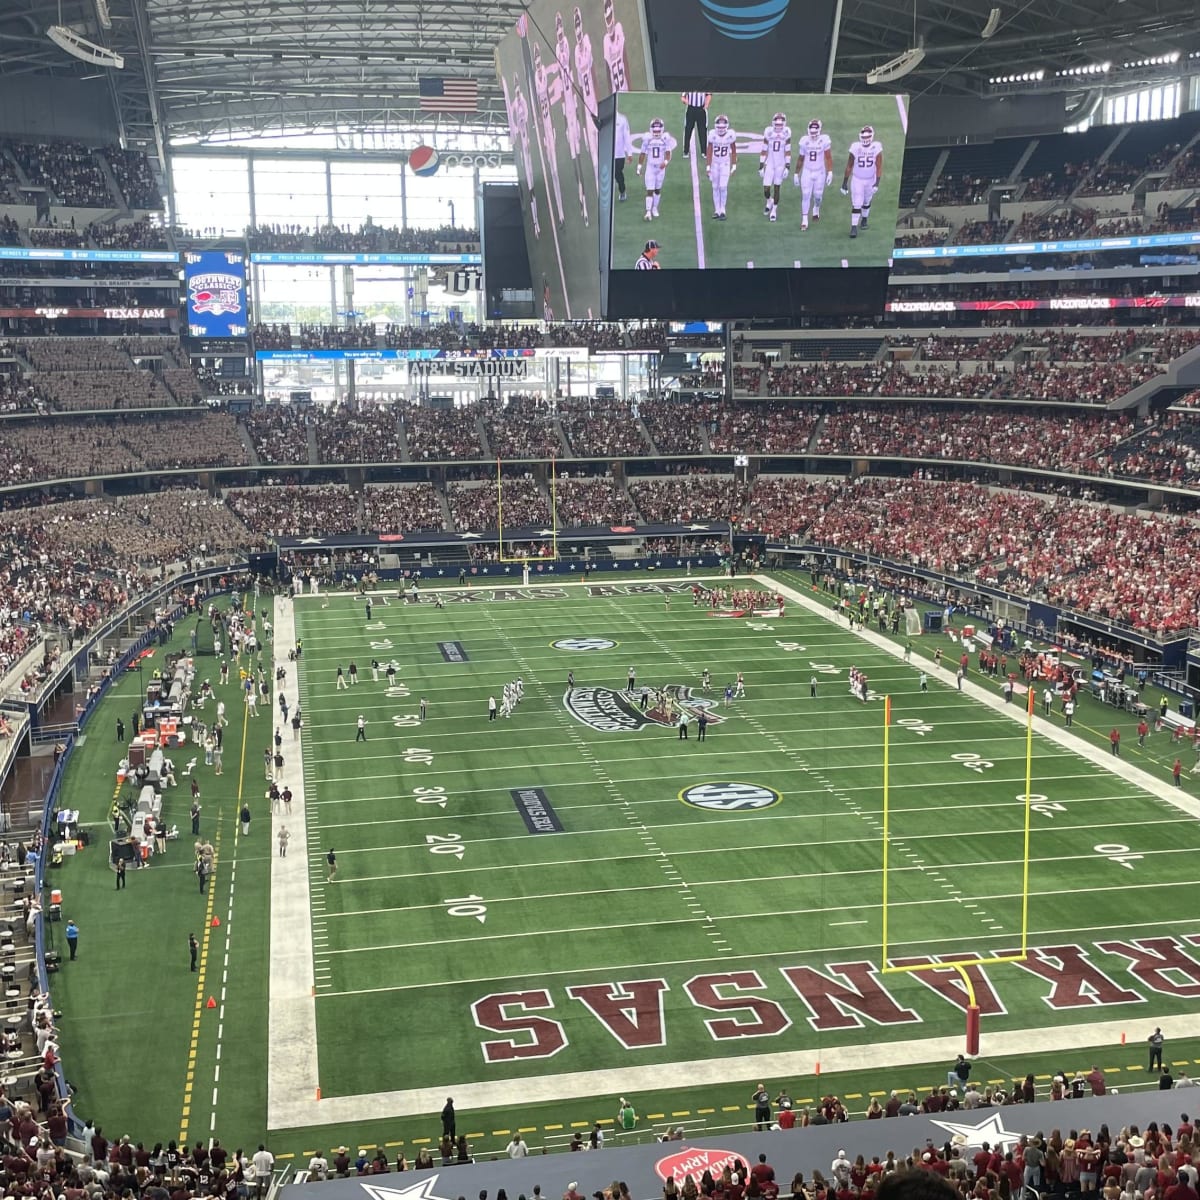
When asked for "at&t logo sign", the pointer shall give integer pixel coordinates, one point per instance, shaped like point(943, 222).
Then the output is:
point(744, 20)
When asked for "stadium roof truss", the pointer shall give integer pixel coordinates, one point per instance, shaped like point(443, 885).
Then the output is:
point(202, 72)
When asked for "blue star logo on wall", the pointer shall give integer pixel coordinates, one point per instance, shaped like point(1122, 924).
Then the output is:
point(990, 1130)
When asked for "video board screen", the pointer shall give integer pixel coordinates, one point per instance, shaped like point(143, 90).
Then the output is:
point(779, 185)
point(215, 281)
point(556, 67)
point(773, 181)
point(740, 44)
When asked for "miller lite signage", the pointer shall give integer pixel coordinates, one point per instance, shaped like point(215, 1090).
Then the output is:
point(216, 293)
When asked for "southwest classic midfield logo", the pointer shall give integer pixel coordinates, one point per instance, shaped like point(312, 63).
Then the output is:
point(611, 711)
point(216, 293)
point(744, 20)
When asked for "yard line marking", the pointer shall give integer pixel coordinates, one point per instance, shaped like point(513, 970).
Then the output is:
point(835, 924)
point(697, 212)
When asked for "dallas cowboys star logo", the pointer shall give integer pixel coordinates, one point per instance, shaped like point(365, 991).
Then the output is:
point(422, 1190)
point(990, 1130)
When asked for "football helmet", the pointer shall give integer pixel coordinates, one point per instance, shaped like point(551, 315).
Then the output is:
point(657, 126)
point(537, 55)
point(867, 136)
point(558, 24)
point(814, 128)
point(778, 121)
point(721, 124)
point(610, 15)
point(578, 22)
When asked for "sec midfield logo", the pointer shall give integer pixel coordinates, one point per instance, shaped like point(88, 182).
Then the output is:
point(728, 796)
point(744, 20)
point(583, 644)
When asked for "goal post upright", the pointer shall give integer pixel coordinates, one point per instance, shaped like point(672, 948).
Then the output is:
point(963, 965)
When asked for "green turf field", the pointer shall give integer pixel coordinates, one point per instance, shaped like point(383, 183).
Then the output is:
point(701, 900)
point(676, 951)
point(685, 227)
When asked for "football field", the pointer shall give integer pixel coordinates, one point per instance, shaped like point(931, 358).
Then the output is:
point(558, 903)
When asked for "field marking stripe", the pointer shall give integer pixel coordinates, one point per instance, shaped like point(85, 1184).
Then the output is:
point(851, 948)
point(292, 1063)
point(920, 902)
point(864, 1058)
point(697, 207)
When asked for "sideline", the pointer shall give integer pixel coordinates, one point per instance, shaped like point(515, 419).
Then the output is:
point(292, 1067)
point(292, 1096)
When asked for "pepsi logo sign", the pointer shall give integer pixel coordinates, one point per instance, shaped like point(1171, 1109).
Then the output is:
point(423, 161)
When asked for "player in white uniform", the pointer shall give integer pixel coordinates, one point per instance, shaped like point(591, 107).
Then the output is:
point(774, 162)
point(657, 145)
point(541, 88)
point(585, 74)
point(518, 128)
point(623, 151)
point(570, 105)
point(814, 170)
point(614, 49)
point(864, 169)
point(721, 157)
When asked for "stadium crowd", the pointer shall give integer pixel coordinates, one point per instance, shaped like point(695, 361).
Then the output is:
point(402, 508)
point(285, 510)
point(475, 507)
point(371, 435)
point(602, 427)
point(525, 428)
point(435, 435)
point(597, 500)
point(279, 434)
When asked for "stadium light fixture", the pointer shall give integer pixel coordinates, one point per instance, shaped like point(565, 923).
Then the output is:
point(899, 66)
point(80, 48)
point(1088, 69)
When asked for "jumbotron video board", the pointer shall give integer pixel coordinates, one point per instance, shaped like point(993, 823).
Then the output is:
point(769, 204)
point(557, 65)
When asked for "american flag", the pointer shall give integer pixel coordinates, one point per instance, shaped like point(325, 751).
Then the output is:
point(453, 94)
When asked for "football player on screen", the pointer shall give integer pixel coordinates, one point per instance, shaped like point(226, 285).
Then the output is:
point(541, 87)
point(814, 170)
point(614, 49)
point(774, 162)
point(518, 129)
point(570, 105)
point(864, 169)
point(654, 158)
point(721, 159)
point(585, 72)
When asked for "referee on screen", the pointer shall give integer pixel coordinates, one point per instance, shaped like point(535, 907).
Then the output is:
point(696, 117)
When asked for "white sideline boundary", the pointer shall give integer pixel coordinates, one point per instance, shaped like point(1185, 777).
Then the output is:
point(292, 1070)
point(292, 1066)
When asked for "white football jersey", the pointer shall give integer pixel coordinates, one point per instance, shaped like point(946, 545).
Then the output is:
point(656, 147)
point(583, 69)
point(624, 138)
point(520, 114)
point(777, 143)
point(812, 150)
point(721, 145)
point(614, 55)
point(562, 51)
point(541, 87)
point(864, 159)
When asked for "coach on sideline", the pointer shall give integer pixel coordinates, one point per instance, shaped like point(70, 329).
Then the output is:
point(695, 117)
